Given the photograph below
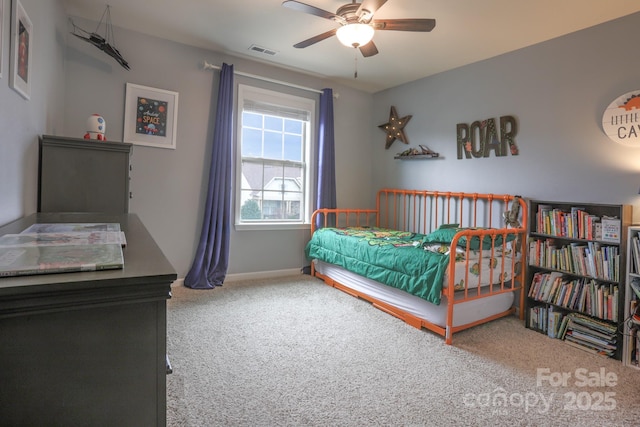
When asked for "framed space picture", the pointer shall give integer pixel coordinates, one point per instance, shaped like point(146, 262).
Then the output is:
point(150, 116)
point(21, 50)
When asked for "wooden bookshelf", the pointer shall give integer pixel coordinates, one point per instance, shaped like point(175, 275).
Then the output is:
point(631, 327)
point(576, 273)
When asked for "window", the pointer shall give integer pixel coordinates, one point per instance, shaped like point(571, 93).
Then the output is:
point(274, 150)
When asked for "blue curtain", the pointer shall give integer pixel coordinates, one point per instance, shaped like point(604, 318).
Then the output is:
point(209, 267)
point(326, 190)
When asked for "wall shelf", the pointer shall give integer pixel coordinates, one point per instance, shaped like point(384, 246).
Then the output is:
point(418, 157)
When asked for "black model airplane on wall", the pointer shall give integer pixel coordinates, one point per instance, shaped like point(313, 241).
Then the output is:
point(100, 42)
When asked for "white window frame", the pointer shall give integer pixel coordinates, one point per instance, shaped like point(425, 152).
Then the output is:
point(293, 101)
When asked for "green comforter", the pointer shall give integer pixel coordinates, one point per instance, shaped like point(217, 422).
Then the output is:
point(395, 258)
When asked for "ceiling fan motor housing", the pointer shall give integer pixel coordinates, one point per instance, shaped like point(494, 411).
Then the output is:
point(348, 13)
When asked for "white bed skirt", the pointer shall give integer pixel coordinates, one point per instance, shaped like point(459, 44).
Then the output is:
point(463, 313)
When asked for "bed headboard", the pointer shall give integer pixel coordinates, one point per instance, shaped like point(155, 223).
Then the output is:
point(423, 211)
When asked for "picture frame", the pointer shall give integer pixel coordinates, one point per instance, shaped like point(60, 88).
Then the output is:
point(21, 50)
point(150, 116)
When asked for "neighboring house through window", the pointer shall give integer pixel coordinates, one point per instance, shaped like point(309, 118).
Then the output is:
point(273, 173)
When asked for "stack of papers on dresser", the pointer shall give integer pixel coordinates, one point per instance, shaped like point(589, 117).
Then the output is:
point(62, 248)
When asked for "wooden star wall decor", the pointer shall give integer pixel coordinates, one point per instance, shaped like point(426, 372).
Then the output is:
point(394, 128)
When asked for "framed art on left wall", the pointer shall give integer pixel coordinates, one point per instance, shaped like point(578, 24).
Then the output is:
point(21, 50)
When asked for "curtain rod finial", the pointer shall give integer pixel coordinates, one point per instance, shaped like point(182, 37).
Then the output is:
point(208, 66)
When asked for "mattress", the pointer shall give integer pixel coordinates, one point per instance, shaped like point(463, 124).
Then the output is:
point(464, 313)
point(480, 267)
point(392, 257)
point(415, 263)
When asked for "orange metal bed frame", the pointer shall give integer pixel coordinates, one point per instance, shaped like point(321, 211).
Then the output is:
point(423, 211)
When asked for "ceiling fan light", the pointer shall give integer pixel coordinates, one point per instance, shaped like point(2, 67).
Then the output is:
point(355, 35)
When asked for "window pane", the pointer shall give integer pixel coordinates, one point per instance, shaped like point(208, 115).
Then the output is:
point(272, 177)
point(293, 147)
point(273, 145)
point(293, 126)
point(273, 123)
point(252, 176)
point(251, 142)
point(252, 120)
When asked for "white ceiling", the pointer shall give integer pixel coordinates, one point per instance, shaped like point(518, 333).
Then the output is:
point(466, 31)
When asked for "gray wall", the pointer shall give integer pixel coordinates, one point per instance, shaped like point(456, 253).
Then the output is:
point(557, 90)
point(169, 186)
point(21, 121)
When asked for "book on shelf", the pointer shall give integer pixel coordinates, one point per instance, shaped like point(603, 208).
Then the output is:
point(554, 319)
point(585, 346)
point(590, 339)
point(562, 330)
point(538, 318)
point(597, 229)
point(591, 334)
point(610, 229)
point(543, 224)
point(62, 247)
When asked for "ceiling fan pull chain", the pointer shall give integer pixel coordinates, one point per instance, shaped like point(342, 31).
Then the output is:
point(355, 65)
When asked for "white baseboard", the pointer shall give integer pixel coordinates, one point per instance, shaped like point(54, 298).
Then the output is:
point(263, 275)
point(252, 276)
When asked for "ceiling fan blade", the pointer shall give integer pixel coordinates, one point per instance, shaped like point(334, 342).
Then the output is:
point(368, 8)
point(305, 8)
point(404, 24)
point(369, 49)
point(315, 39)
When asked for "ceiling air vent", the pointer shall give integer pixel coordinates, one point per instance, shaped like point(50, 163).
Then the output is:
point(262, 50)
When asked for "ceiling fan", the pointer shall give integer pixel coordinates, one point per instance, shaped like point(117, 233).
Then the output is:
point(357, 25)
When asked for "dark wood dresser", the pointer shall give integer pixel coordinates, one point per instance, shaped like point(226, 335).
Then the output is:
point(83, 175)
point(87, 348)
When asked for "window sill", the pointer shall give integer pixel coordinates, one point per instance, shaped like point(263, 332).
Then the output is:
point(272, 226)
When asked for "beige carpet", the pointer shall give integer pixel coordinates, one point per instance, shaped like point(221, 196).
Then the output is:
point(296, 352)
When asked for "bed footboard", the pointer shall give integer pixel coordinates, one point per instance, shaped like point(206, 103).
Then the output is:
point(489, 244)
point(494, 267)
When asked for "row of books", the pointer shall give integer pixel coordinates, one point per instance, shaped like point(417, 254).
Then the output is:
point(62, 247)
point(590, 259)
point(576, 329)
point(587, 296)
point(576, 223)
